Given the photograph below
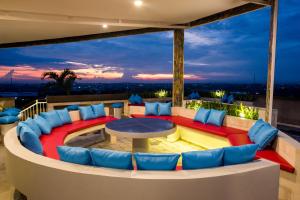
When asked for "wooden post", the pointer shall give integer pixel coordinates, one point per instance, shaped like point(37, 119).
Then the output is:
point(271, 61)
point(178, 67)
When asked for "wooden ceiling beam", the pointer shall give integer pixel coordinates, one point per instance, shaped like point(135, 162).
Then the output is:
point(260, 2)
point(84, 37)
point(226, 14)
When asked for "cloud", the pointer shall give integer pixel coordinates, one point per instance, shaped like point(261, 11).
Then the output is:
point(195, 63)
point(165, 77)
point(85, 71)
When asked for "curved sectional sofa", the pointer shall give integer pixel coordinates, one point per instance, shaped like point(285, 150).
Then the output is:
point(234, 136)
point(46, 177)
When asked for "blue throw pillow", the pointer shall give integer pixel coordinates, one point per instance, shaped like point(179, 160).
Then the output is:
point(230, 99)
point(202, 115)
point(77, 155)
point(216, 117)
point(151, 108)
point(255, 128)
point(34, 126)
point(86, 112)
point(265, 136)
point(30, 140)
point(73, 107)
point(64, 116)
point(239, 154)
point(43, 124)
point(164, 109)
point(8, 119)
point(117, 105)
point(99, 110)
point(224, 99)
point(138, 99)
point(202, 159)
point(132, 99)
point(11, 111)
point(52, 117)
point(111, 159)
point(148, 161)
point(20, 126)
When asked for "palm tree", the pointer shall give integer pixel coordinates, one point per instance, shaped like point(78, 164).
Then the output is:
point(63, 81)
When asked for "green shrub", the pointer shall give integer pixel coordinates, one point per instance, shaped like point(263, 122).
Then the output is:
point(231, 109)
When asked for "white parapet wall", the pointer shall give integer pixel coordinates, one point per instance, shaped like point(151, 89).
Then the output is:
point(39, 177)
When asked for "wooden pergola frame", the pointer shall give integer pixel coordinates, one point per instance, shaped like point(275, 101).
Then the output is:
point(178, 54)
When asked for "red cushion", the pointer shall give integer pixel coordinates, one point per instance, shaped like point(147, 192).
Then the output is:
point(275, 157)
point(57, 136)
point(239, 139)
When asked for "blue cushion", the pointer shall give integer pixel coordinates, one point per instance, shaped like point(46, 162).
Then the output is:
point(202, 115)
point(265, 136)
point(230, 99)
point(202, 159)
point(255, 128)
point(86, 112)
point(216, 117)
point(148, 161)
point(111, 159)
point(20, 126)
point(12, 111)
point(34, 126)
point(138, 99)
point(132, 99)
point(164, 109)
point(43, 124)
point(64, 116)
point(77, 155)
point(8, 119)
point(73, 107)
point(52, 117)
point(117, 105)
point(30, 140)
point(99, 110)
point(194, 96)
point(224, 99)
point(239, 154)
point(151, 108)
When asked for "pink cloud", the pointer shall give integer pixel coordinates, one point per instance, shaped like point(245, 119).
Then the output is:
point(26, 72)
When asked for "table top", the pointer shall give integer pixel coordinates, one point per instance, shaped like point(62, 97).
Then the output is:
point(140, 127)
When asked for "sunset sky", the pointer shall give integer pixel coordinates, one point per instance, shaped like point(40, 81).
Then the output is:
point(232, 51)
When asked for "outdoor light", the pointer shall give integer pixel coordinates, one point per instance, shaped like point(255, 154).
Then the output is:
point(138, 3)
point(104, 26)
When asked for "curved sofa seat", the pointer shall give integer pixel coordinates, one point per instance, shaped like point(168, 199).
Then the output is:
point(235, 136)
point(58, 134)
point(50, 179)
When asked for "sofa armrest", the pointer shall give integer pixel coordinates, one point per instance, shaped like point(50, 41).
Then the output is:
point(289, 149)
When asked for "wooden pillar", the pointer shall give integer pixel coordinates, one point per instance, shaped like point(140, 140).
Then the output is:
point(271, 61)
point(178, 67)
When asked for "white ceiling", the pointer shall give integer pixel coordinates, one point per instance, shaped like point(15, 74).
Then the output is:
point(28, 20)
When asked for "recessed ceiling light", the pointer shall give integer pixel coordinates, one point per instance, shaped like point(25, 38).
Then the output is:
point(138, 3)
point(104, 26)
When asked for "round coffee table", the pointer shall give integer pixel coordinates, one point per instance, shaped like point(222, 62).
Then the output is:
point(140, 129)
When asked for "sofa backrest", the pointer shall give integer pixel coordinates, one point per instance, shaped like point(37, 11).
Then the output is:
point(230, 121)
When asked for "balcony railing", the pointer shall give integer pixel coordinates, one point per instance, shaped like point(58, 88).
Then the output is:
point(34, 109)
